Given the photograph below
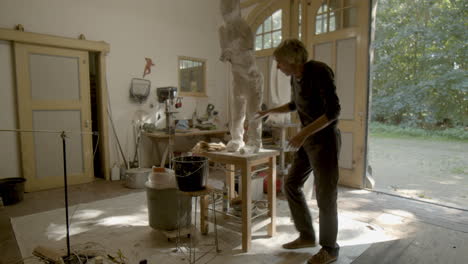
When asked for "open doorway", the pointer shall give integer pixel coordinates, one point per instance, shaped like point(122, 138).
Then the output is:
point(418, 134)
point(93, 87)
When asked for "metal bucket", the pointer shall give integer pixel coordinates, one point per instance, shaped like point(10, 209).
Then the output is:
point(191, 173)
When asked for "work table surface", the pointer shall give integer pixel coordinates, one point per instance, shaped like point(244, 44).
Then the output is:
point(185, 133)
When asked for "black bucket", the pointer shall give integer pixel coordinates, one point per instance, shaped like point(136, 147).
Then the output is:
point(12, 190)
point(191, 173)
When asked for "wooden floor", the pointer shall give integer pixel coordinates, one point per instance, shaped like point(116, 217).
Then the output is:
point(426, 233)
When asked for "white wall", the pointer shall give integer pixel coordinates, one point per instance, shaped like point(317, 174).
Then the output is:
point(158, 29)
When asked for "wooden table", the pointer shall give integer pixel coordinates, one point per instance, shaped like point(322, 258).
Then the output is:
point(157, 137)
point(246, 163)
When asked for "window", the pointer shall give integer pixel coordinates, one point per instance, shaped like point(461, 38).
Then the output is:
point(335, 14)
point(299, 21)
point(268, 34)
point(191, 77)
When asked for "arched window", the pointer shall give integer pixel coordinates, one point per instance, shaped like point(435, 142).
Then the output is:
point(269, 33)
point(299, 21)
point(335, 14)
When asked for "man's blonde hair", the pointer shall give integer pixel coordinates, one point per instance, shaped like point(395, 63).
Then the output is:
point(292, 51)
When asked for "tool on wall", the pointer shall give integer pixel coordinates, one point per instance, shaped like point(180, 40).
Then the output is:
point(139, 90)
point(178, 103)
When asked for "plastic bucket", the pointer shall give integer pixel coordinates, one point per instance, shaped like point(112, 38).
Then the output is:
point(136, 178)
point(12, 190)
point(191, 173)
point(166, 206)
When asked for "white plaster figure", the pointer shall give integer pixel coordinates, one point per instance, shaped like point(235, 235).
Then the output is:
point(237, 47)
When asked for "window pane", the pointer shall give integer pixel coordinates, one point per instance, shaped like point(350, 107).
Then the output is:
point(54, 77)
point(322, 9)
point(259, 30)
point(319, 25)
point(335, 21)
point(49, 151)
point(276, 38)
point(277, 20)
point(267, 41)
point(350, 17)
point(191, 76)
point(258, 42)
point(300, 13)
point(267, 24)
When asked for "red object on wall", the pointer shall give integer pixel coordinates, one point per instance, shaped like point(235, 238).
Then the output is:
point(265, 183)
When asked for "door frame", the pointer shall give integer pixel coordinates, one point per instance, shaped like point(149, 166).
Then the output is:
point(258, 10)
point(354, 177)
point(100, 47)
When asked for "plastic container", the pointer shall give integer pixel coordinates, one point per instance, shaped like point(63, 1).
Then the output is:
point(163, 205)
point(191, 173)
point(162, 178)
point(136, 178)
point(12, 190)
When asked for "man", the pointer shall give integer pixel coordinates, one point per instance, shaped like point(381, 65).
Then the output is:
point(318, 145)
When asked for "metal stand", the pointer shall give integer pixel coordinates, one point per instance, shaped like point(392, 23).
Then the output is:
point(64, 145)
point(192, 245)
point(170, 129)
point(63, 135)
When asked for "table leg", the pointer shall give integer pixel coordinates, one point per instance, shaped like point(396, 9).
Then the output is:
point(282, 148)
point(230, 181)
point(272, 196)
point(164, 156)
point(203, 214)
point(246, 207)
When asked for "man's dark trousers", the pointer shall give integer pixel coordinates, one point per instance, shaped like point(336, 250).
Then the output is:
point(319, 154)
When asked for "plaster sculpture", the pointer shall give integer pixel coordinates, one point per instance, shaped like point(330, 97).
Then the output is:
point(237, 47)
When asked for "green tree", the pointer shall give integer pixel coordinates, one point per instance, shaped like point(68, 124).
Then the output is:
point(419, 71)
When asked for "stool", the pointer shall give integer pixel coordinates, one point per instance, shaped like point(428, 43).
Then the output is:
point(202, 194)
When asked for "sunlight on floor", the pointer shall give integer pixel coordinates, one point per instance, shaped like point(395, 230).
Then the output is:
point(402, 213)
point(87, 214)
point(359, 191)
point(125, 220)
point(390, 219)
point(86, 219)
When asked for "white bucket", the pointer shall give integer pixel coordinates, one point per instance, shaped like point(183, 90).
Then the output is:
point(162, 180)
point(136, 178)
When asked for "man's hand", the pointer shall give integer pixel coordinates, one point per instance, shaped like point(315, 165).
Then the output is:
point(296, 142)
point(261, 114)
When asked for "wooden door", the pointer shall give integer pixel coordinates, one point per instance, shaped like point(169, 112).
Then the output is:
point(53, 95)
point(338, 34)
